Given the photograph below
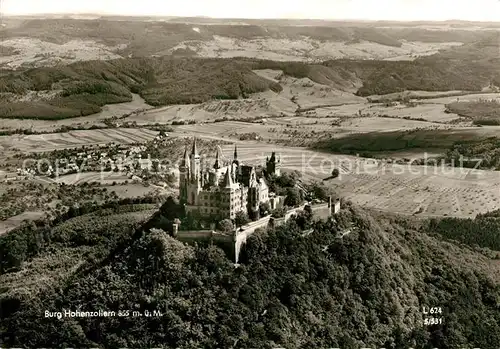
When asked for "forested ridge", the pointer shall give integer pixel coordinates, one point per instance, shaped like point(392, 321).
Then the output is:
point(82, 88)
point(366, 289)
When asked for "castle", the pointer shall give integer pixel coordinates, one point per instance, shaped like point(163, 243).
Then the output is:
point(224, 189)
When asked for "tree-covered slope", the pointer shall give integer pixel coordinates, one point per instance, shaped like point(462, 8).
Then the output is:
point(367, 289)
point(83, 88)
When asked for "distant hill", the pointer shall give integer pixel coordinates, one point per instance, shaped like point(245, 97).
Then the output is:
point(83, 88)
point(146, 36)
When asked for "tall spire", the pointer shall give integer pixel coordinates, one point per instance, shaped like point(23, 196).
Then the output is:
point(185, 158)
point(235, 157)
point(194, 151)
point(217, 164)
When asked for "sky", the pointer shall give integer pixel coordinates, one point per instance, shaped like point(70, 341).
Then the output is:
point(404, 10)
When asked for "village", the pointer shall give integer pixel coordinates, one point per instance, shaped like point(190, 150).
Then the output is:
point(135, 161)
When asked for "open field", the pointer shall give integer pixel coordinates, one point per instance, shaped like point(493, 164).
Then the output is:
point(397, 188)
point(306, 49)
point(449, 144)
point(304, 131)
point(206, 112)
point(265, 105)
point(406, 189)
point(28, 52)
point(138, 190)
point(116, 182)
point(462, 98)
point(103, 178)
point(374, 124)
point(53, 141)
point(319, 103)
point(14, 222)
point(307, 93)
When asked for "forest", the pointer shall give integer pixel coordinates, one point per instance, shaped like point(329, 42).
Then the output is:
point(366, 289)
point(482, 231)
point(469, 152)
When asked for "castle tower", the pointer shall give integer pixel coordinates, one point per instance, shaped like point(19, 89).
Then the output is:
point(195, 164)
point(184, 177)
point(229, 193)
point(195, 179)
point(217, 164)
point(273, 165)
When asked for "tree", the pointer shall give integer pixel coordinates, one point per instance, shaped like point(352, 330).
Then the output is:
point(241, 218)
point(293, 197)
point(264, 209)
point(278, 213)
point(321, 191)
point(156, 166)
point(335, 172)
point(287, 180)
point(225, 226)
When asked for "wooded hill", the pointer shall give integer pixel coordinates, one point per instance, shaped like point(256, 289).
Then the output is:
point(83, 88)
point(366, 289)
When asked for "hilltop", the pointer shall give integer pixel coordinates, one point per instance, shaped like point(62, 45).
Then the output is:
point(365, 289)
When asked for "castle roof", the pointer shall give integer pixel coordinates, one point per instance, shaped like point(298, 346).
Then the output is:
point(263, 182)
point(228, 180)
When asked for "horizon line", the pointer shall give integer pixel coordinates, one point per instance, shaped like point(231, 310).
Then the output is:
point(245, 18)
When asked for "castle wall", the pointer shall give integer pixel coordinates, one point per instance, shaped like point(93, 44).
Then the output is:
point(207, 237)
point(233, 244)
point(184, 235)
point(321, 211)
point(207, 234)
point(241, 236)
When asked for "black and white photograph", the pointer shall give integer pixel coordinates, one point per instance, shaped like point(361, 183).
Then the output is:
point(250, 174)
